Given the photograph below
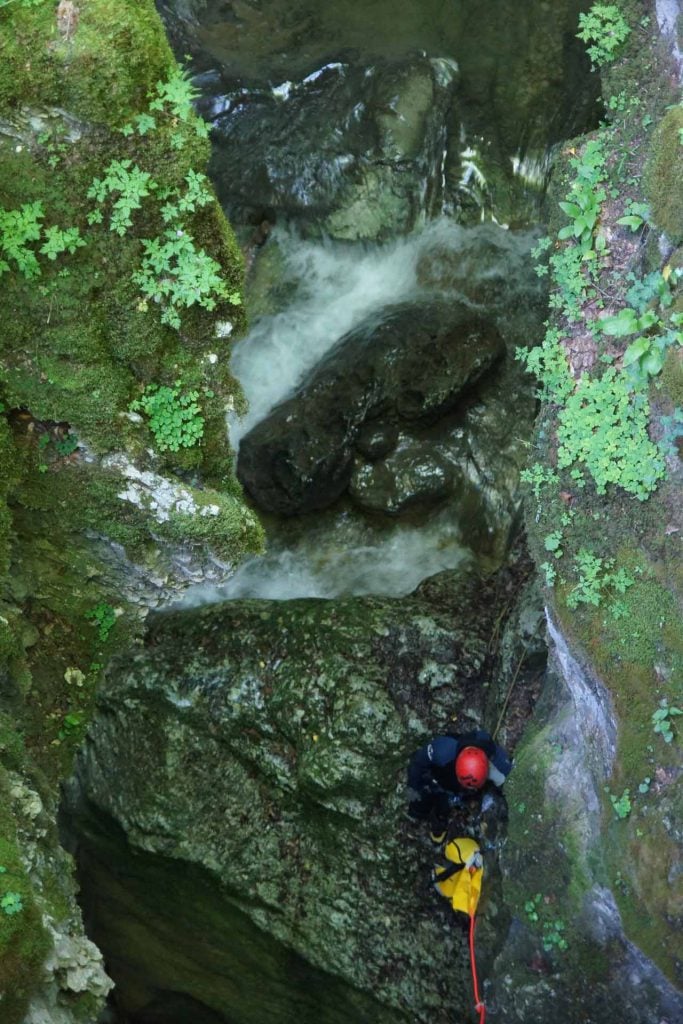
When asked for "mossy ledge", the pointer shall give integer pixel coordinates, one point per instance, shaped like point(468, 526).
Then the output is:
point(95, 517)
point(629, 639)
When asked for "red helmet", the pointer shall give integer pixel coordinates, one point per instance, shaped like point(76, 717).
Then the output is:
point(472, 768)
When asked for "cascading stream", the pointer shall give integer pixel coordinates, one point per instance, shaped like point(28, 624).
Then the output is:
point(238, 807)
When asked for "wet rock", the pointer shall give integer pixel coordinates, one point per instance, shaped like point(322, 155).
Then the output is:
point(349, 151)
point(375, 440)
point(407, 477)
point(490, 268)
point(562, 845)
point(412, 363)
point(250, 760)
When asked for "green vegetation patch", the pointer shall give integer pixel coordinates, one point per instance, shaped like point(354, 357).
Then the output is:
point(24, 942)
point(99, 63)
point(663, 177)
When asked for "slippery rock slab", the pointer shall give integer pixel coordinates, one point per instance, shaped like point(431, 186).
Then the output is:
point(257, 751)
point(348, 150)
point(409, 364)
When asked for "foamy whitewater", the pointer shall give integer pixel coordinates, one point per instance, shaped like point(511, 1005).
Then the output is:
point(340, 554)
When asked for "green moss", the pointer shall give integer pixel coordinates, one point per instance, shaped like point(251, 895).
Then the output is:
point(663, 180)
point(24, 942)
point(102, 71)
point(672, 376)
point(230, 528)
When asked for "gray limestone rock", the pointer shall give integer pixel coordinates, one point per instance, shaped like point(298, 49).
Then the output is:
point(240, 802)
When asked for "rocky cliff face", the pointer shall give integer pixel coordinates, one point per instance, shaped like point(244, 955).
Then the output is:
point(257, 751)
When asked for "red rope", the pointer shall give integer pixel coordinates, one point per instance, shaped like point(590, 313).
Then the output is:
point(478, 1005)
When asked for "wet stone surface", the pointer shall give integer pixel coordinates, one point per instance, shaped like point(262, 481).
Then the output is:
point(411, 363)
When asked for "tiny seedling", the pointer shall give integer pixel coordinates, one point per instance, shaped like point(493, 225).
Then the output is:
point(662, 719)
point(11, 903)
point(621, 804)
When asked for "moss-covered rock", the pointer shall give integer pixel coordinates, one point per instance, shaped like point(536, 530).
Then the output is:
point(663, 180)
point(259, 748)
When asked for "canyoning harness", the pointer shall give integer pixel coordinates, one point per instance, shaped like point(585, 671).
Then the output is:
point(459, 880)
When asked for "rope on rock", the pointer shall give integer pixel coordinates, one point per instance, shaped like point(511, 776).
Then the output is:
point(459, 880)
point(478, 1004)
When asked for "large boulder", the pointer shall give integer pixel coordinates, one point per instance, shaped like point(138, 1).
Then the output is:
point(349, 151)
point(240, 808)
point(410, 364)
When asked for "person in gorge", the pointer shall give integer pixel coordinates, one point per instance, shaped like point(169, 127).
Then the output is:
point(450, 770)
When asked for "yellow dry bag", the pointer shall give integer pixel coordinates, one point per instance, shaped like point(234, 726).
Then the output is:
point(459, 881)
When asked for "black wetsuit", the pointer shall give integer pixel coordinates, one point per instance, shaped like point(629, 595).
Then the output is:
point(431, 772)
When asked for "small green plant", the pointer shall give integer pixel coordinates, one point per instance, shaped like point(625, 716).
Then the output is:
point(67, 446)
point(550, 573)
point(129, 185)
point(636, 215)
point(548, 362)
point(177, 275)
point(59, 240)
point(54, 146)
point(583, 211)
point(605, 29)
point(531, 907)
point(175, 417)
point(103, 616)
point(142, 123)
point(553, 542)
point(595, 576)
point(175, 97)
point(196, 195)
point(11, 903)
point(582, 205)
point(71, 725)
point(538, 477)
point(644, 786)
point(621, 804)
point(553, 936)
point(646, 355)
point(662, 719)
point(626, 322)
point(17, 228)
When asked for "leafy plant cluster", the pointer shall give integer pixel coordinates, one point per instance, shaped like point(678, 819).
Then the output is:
point(175, 417)
point(595, 577)
point(603, 419)
point(604, 427)
point(129, 185)
point(604, 28)
point(19, 228)
point(174, 272)
point(172, 99)
point(103, 616)
point(10, 902)
point(552, 936)
point(662, 719)
point(621, 805)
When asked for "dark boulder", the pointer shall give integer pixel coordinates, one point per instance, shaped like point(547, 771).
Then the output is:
point(412, 363)
point(349, 151)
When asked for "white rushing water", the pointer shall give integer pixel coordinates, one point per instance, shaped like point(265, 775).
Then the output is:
point(335, 287)
point(338, 285)
point(341, 558)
